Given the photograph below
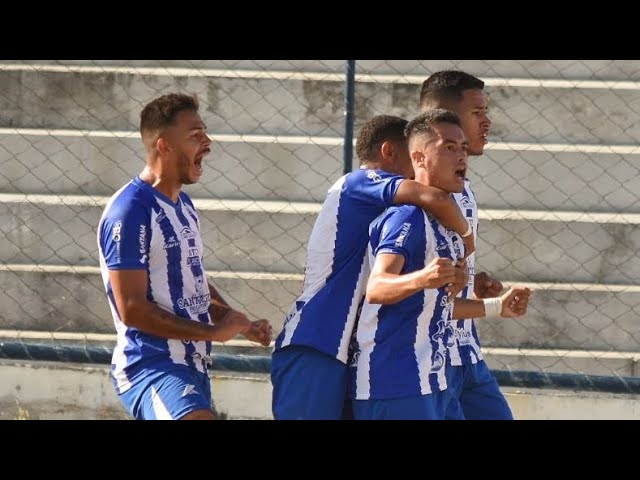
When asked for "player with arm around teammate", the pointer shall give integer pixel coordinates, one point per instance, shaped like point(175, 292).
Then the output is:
point(309, 364)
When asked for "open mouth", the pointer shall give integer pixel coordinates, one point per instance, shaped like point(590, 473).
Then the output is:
point(461, 173)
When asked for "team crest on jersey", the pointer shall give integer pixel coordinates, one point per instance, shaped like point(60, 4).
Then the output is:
point(466, 202)
point(187, 233)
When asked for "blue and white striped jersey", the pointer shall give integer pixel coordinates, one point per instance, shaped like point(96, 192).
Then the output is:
point(400, 350)
point(336, 272)
point(142, 229)
point(465, 347)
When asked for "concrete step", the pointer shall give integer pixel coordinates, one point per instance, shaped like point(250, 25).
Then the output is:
point(294, 105)
point(272, 237)
point(238, 235)
point(582, 362)
point(620, 70)
point(560, 316)
point(99, 163)
point(518, 176)
point(72, 299)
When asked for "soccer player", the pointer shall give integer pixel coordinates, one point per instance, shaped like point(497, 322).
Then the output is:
point(474, 390)
point(402, 335)
point(165, 311)
point(309, 372)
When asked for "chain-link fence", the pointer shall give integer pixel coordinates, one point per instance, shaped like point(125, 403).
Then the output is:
point(557, 189)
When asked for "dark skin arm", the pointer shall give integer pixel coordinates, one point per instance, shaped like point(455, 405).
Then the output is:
point(440, 204)
point(130, 293)
point(227, 318)
point(486, 286)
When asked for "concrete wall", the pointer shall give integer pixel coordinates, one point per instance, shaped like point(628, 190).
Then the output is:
point(52, 391)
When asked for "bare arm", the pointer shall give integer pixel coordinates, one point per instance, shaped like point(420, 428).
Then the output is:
point(130, 293)
point(219, 306)
point(386, 285)
point(440, 204)
point(229, 321)
point(514, 304)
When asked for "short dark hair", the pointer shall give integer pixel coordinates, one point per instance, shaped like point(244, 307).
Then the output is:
point(424, 122)
point(446, 87)
point(375, 132)
point(162, 111)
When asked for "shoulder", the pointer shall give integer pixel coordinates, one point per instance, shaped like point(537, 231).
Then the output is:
point(130, 199)
point(401, 214)
point(368, 176)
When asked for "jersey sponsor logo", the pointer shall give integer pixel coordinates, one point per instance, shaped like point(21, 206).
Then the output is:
point(403, 234)
point(143, 258)
point(196, 304)
point(172, 242)
point(193, 261)
point(372, 175)
point(462, 336)
point(142, 239)
point(116, 237)
point(115, 233)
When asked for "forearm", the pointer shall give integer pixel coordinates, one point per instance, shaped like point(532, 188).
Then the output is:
point(435, 201)
point(219, 306)
point(230, 325)
point(149, 318)
point(467, 308)
point(387, 289)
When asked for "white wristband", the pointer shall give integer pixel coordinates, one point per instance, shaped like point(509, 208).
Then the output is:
point(468, 232)
point(492, 307)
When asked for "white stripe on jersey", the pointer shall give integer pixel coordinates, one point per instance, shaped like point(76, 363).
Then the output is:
point(463, 337)
point(320, 252)
point(422, 346)
point(160, 284)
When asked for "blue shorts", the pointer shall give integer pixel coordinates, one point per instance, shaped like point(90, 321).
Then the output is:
point(423, 407)
point(170, 395)
point(474, 394)
point(308, 385)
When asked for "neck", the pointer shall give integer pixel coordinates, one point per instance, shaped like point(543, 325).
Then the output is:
point(153, 176)
point(371, 166)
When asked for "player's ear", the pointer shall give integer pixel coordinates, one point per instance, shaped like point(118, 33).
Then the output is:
point(417, 157)
point(162, 145)
point(386, 149)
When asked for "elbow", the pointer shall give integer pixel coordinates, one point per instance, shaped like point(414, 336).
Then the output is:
point(132, 313)
point(374, 295)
